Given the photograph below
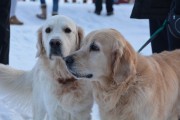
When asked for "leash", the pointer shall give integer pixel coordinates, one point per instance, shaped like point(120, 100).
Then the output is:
point(153, 36)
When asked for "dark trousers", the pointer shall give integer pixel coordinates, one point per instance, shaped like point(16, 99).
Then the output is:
point(160, 43)
point(174, 43)
point(164, 40)
point(109, 5)
point(4, 31)
point(55, 5)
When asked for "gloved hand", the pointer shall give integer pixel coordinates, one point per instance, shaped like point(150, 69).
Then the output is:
point(174, 23)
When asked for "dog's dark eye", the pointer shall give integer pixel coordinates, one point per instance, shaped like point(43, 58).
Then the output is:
point(48, 30)
point(94, 47)
point(67, 30)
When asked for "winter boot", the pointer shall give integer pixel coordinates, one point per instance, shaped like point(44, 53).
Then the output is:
point(54, 13)
point(110, 13)
point(43, 15)
point(14, 21)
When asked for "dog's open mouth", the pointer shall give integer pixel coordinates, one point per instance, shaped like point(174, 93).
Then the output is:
point(56, 53)
point(80, 75)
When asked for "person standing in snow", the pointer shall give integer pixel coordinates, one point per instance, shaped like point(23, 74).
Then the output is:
point(109, 7)
point(43, 14)
point(4, 31)
point(13, 19)
point(157, 11)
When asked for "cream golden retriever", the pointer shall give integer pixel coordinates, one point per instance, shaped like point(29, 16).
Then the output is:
point(127, 85)
point(54, 92)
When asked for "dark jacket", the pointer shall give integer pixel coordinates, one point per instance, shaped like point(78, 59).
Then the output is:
point(150, 9)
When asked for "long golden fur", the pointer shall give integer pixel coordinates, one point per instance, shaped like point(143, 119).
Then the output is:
point(54, 91)
point(127, 85)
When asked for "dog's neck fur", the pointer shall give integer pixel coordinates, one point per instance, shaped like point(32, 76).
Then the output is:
point(66, 81)
point(57, 70)
point(56, 67)
point(119, 96)
point(110, 88)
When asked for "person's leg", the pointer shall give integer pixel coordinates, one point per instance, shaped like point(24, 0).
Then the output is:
point(109, 7)
point(13, 19)
point(4, 31)
point(98, 6)
point(43, 2)
point(177, 7)
point(174, 43)
point(55, 7)
point(13, 8)
point(84, 1)
point(160, 42)
point(43, 13)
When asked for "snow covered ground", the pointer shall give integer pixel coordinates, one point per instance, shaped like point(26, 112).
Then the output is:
point(23, 38)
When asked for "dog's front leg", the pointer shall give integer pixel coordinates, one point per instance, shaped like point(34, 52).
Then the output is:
point(38, 113)
point(55, 112)
point(84, 115)
point(39, 110)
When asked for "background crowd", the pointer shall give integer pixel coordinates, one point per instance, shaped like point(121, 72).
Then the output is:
point(156, 11)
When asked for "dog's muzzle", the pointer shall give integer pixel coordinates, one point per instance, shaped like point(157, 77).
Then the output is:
point(69, 60)
point(55, 47)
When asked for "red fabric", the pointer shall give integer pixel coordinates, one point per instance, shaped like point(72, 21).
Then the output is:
point(118, 1)
point(121, 1)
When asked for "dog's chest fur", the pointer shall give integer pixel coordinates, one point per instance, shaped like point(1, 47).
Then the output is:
point(61, 93)
point(111, 105)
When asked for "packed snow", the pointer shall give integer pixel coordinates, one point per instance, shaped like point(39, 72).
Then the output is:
point(23, 38)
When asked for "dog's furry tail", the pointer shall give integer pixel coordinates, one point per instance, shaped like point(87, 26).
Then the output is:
point(16, 88)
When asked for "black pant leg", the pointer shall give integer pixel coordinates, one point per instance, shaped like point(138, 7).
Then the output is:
point(160, 43)
point(98, 5)
point(177, 7)
point(4, 31)
point(174, 43)
point(109, 5)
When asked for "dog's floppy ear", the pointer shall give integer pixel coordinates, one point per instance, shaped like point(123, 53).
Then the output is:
point(123, 62)
point(39, 45)
point(80, 36)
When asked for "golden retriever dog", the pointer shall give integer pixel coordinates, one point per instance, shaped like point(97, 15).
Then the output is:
point(127, 85)
point(55, 93)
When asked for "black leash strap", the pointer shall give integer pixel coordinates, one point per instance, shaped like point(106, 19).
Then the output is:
point(153, 36)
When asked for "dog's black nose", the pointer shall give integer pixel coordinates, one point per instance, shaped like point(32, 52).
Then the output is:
point(55, 43)
point(69, 60)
